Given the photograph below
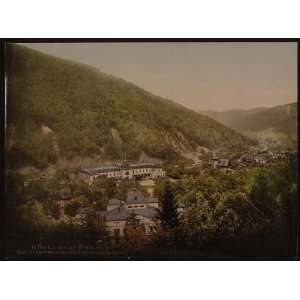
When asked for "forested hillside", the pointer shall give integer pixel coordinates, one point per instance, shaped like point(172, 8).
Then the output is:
point(280, 120)
point(61, 109)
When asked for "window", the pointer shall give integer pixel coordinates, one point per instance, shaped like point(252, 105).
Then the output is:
point(129, 206)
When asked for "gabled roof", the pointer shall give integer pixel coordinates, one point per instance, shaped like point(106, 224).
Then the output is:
point(143, 165)
point(94, 171)
point(151, 200)
point(148, 212)
point(117, 214)
point(114, 202)
point(101, 214)
point(134, 196)
point(122, 214)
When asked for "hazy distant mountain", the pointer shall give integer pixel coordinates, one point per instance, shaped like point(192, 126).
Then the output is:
point(280, 120)
point(62, 109)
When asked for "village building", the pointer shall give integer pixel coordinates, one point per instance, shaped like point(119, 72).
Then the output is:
point(113, 203)
point(224, 163)
point(117, 213)
point(124, 170)
point(260, 161)
point(135, 199)
point(148, 185)
point(180, 209)
point(214, 160)
point(219, 162)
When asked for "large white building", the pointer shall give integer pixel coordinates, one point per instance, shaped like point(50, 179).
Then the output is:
point(123, 170)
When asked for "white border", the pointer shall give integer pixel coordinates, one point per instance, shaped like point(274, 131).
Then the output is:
point(149, 280)
point(149, 19)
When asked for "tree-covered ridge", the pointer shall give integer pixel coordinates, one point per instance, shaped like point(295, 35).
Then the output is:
point(281, 119)
point(87, 113)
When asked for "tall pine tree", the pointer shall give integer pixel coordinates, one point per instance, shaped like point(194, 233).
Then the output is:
point(168, 214)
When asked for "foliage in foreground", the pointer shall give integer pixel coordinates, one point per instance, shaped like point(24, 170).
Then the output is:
point(248, 213)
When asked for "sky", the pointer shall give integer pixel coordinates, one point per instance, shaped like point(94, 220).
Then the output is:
point(200, 76)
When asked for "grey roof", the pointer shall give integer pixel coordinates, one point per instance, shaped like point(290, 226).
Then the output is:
point(147, 212)
point(135, 196)
point(117, 214)
point(101, 214)
point(224, 162)
point(121, 213)
point(114, 202)
point(119, 166)
point(151, 200)
point(181, 205)
point(143, 165)
point(94, 171)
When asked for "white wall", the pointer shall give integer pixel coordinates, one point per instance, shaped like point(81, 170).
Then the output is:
point(112, 225)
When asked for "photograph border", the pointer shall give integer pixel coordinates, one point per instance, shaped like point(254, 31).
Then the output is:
point(128, 40)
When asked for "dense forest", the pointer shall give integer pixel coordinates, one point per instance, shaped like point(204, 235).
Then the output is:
point(61, 109)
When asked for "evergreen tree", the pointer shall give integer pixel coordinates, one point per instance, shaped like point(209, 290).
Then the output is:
point(168, 214)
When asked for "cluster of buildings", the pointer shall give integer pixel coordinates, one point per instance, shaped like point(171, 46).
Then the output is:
point(251, 159)
point(124, 170)
point(262, 158)
point(118, 213)
point(144, 210)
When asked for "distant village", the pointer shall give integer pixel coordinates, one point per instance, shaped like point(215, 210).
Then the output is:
point(253, 158)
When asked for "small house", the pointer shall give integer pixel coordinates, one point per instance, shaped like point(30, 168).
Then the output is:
point(118, 213)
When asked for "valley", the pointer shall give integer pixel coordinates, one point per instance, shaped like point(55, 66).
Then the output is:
point(93, 161)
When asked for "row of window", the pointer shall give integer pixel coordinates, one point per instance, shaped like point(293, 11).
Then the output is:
point(136, 206)
point(136, 171)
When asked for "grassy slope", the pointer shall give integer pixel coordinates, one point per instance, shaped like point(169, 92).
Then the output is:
point(89, 113)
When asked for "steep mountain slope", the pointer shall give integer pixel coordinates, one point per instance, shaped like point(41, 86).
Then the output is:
point(280, 121)
point(61, 109)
